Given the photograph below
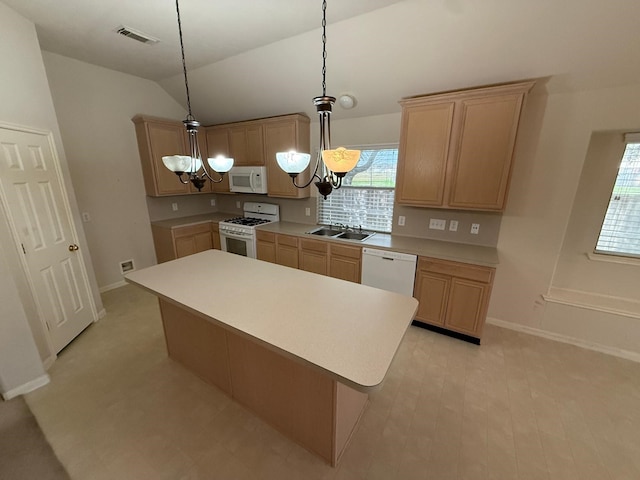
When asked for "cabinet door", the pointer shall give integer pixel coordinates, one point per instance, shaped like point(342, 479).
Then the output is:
point(345, 262)
point(423, 152)
point(192, 239)
point(313, 256)
point(466, 308)
point(266, 246)
point(482, 161)
point(282, 136)
point(238, 145)
point(287, 251)
point(432, 291)
point(255, 144)
point(218, 144)
point(215, 236)
point(156, 139)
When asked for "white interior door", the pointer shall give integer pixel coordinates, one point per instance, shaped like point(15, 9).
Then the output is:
point(37, 207)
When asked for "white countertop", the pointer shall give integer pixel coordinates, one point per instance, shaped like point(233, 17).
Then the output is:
point(350, 331)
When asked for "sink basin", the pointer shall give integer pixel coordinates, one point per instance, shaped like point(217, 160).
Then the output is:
point(324, 231)
point(354, 235)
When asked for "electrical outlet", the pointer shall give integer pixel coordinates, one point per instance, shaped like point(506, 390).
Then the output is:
point(174, 207)
point(401, 220)
point(238, 204)
point(86, 217)
point(213, 202)
point(475, 228)
point(307, 211)
point(437, 224)
point(453, 226)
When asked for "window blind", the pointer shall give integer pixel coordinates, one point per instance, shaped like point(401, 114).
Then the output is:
point(620, 232)
point(367, 193)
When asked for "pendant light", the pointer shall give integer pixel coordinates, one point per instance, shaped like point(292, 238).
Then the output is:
point(192, 166)
point(338, 162)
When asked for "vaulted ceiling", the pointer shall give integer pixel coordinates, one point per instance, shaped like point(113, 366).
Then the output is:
point(254, 58)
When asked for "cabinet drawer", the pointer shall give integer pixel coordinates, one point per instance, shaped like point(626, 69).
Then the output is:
point(314, 245)
point(456, 269)
point(192, 230)
point(288, 240)
point(266, 236)
point(346, 251)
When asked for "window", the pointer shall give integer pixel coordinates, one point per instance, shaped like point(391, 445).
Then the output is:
point(366, 196)
point(620, 232)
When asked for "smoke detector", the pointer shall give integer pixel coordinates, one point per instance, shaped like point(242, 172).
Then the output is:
point(136, 35)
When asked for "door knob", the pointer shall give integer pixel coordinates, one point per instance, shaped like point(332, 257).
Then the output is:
point(73, 248)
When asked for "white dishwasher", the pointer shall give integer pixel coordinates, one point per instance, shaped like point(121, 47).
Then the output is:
point(387, 270)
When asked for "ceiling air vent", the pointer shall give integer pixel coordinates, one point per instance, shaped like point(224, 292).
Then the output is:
point(136, 35)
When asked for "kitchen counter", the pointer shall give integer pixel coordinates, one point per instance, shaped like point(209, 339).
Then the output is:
point(254, 331)
point(459, 252)
point(193, 220)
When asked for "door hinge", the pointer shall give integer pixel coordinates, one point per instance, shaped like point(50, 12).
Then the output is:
point(23, 249)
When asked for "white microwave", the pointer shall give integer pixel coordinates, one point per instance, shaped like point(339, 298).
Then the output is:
point(248, 179)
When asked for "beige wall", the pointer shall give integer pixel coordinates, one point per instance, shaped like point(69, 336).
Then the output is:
point(94, 106)
point(25, 100)
point(541, 206)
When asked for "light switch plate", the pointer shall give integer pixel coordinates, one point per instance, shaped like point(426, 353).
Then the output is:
point(174, 207)
point(307, 211)
point(401, 220)
point(453, 226)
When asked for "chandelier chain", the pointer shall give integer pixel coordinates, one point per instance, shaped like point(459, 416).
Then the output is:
point(184, 64)
point(324, 48)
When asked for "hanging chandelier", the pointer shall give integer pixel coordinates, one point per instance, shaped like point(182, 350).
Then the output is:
point(192, 166)
point(338, 162)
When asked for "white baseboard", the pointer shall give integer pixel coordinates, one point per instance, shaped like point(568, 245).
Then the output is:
point(616, 352)
point(49, 361)
point(27, 387)
point(101, 314)
point(113, 286)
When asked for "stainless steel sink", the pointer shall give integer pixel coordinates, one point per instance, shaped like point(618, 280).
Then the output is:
point(325, 231)
point(341, 234)
point(360, 236)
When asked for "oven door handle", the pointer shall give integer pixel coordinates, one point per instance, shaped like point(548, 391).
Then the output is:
point(235, 235)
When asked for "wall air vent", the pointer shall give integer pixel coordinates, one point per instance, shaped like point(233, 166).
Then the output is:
point(136, 35)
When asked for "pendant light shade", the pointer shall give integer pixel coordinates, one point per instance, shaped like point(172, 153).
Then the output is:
point(341, 160)
point(220, 164)
point(293, 162)
point(182, 163)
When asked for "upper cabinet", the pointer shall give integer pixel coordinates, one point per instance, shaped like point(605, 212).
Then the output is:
point(157, 138)
point(456, 148)
point(281, 134)
point(246, 143)
point(217, 139)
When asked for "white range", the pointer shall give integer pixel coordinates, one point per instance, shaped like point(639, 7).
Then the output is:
point(238, 235)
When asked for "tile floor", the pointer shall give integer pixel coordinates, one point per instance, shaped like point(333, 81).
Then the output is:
point(518, 407)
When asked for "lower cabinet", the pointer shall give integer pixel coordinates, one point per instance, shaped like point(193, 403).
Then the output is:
point(215, 236)
point(345, 262)
point(317, 256)
point(172, 243)
point(314, 256)
point(453, 295)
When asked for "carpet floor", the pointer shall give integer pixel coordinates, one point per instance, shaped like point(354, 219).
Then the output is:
point(25, 453)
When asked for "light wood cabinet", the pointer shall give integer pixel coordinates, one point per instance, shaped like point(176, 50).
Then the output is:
point(453, 295)
point(287, 251)
point(281, 134)
point(157, 138)
point(266, 246)
point(456, 148)
point(246, 143)
point(313, 256)
point(345, 262)
point(172, 243)
point(215, 236)
point(217, 139)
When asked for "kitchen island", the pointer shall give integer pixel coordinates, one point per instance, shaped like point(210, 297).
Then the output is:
point(298, 349)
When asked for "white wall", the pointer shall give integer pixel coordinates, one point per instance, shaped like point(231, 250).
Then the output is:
point(94, 106)
point(25, 100)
